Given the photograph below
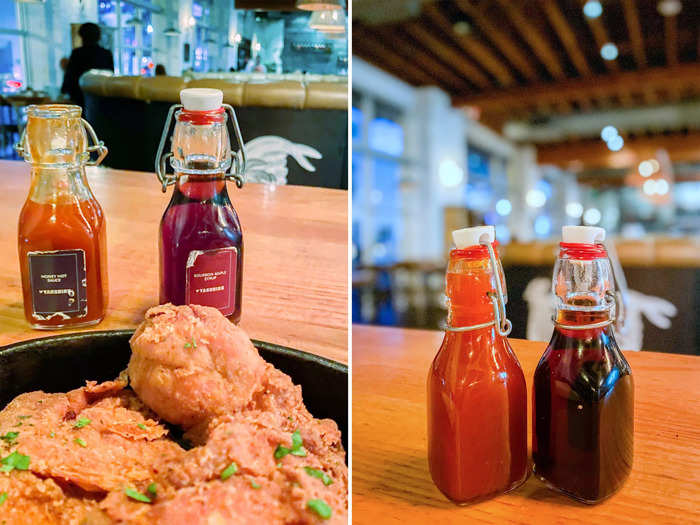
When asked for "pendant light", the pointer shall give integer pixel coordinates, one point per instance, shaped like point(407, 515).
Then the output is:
point(328, 21)
point(319, 5)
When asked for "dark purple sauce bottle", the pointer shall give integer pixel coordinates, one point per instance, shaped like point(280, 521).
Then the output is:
point(583, 391)
point(201, 241)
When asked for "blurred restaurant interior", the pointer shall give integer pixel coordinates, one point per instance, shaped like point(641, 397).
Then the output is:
point(528, 116)
point(283, 68)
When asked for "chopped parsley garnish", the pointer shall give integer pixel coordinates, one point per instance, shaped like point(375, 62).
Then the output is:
point(254, 484)
point(279, 465)
point(314, 473)
point(10, 437)
point(193, 344)
point(80, 442)
point(152, 489)
point(229, 471)
point(135, 494)
point(320, 507)
point(14, 461)
point(82, 422)
point(141, 426)
point(3, 497)
point(23, 417)
point(52, 434)
point(296, 450)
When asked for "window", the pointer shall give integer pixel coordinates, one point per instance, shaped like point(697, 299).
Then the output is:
point(133, 41)
point(11, 66)
point(377, 165)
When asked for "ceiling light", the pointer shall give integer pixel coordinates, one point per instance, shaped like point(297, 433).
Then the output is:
point(535, 198)
point(609, 51)
point(662, 186)
point(171, 31)
point(504, 207)
point(328, 21)
point(574, 209)
point(450, 173)
point(669, 7)
point(592, 9)
point(649, 187)
point(616, 143)
point(646, 168)
point(319, 5)
point(592, 216)
point(462, 28)
point(608, 132)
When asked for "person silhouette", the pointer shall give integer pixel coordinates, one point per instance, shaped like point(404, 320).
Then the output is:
point(89, 56)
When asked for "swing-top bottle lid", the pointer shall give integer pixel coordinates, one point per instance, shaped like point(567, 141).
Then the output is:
point(473, 236)
point(582, 234)
point(201, 99)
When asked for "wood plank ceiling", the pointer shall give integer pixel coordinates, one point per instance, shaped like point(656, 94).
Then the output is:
point(528, 60)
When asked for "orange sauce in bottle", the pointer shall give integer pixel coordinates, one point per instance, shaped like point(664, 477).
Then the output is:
point(477, 402)
point(62, 228)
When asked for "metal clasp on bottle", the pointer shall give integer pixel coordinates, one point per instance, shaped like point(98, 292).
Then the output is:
point(614, 300)
point(233, 167)
point(498, 301)
point(97, 146)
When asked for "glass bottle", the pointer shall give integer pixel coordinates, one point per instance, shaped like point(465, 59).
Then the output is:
point(61, 231)
point(583, 392)
point(201, 240)
point(477, 401)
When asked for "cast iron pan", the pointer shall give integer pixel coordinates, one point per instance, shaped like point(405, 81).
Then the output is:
point(64, 362)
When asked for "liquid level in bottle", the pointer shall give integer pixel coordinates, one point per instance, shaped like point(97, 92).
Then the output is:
point(199, 217)
point(70, 224)
point(583, 410)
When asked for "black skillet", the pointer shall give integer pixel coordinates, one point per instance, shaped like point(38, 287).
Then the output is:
point(61, 363)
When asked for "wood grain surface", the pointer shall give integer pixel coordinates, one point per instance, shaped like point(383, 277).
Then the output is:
point(390, 478)
point(295, 276)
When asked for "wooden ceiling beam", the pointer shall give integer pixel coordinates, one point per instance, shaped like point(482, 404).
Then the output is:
point(471, 46)
point(510, 49)
point(534, 37)
point(634, 28)
point(683, 76)
point(365, 44)
point(600, 35)
point(567, 36)
point(443, 49)
point(430, 64)
point(671, 34)
point(592, 154)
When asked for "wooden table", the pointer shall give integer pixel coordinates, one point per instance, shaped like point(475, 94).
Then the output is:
point(390, 478)
point(295, 277)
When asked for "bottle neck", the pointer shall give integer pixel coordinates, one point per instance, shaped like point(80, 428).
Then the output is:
point(203, 188)
point(59, 185)
point(470, 282)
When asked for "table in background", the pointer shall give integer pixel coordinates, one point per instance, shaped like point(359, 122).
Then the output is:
point(295, 284)
point(391, 482)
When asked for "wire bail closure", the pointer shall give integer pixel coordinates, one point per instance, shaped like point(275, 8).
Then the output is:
point(97, 146)
point(498, 301)
point(613, 299)
point(233, 167)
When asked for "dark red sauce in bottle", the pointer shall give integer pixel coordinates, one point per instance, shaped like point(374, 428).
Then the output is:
point(583, 391)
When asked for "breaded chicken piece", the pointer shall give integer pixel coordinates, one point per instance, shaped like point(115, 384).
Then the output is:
point(97, 438)
point(190, 363)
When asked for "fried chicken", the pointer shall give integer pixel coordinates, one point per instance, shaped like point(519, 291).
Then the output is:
point(100, 454)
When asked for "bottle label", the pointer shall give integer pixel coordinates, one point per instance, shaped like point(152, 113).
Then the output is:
point(211, 278)
point(58, 283)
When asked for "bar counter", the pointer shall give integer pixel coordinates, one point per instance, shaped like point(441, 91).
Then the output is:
point(391, 482)
point(295, 286)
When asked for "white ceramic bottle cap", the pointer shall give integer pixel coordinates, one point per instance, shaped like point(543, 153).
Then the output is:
point(582, 234)
point(201, 99)
point(472, 236)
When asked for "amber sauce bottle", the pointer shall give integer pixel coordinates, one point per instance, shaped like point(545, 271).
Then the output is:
point(62, 229)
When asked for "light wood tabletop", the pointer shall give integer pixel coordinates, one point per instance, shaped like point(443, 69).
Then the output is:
point(390, 478)
point(295, 275)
